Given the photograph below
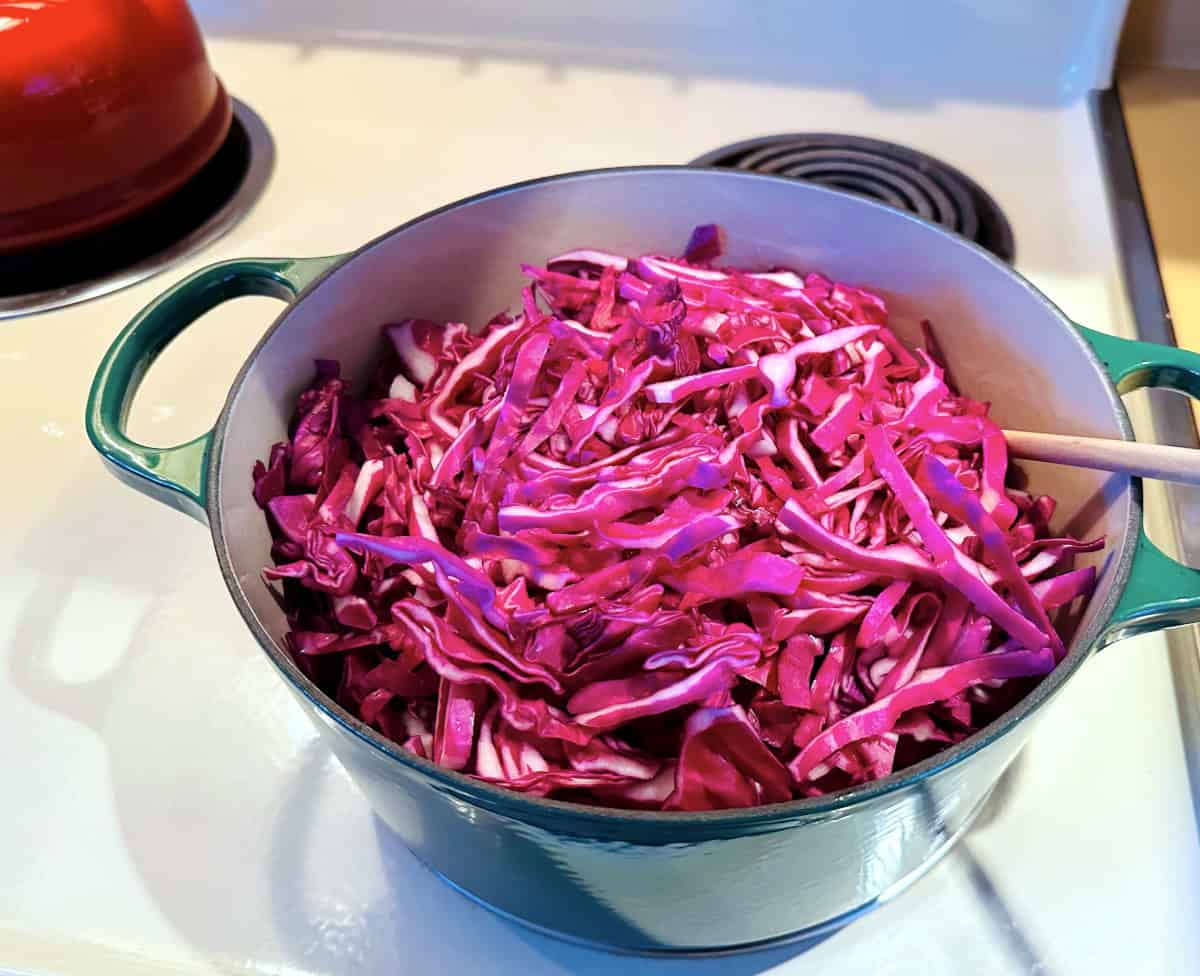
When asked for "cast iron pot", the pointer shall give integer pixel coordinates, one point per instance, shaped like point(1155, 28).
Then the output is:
point(639, 881)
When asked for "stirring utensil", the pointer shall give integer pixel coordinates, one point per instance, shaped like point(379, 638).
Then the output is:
point(1159, 461)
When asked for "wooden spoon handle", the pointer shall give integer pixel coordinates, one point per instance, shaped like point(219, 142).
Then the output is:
point(1158, 461)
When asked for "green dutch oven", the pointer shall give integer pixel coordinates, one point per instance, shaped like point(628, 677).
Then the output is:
point(639, 881)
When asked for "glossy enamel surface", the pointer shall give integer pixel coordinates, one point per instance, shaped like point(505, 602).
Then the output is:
point(649, 882)
point(105, 107)
point(176, 475)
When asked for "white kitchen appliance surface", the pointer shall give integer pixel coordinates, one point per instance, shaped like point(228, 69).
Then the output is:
point(164, 805)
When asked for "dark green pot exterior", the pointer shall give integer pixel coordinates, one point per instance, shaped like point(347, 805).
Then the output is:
point(629, 884)
point(653, 882)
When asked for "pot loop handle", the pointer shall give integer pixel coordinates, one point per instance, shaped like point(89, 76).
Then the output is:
point(178, 475)
point(1161, 592)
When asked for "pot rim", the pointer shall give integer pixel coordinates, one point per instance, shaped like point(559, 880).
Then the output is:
point(522, 806)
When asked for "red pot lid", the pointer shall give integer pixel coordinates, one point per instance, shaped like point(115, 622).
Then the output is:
point(106, 106)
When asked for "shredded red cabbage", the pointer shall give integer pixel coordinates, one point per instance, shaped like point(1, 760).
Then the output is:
point(671, 536)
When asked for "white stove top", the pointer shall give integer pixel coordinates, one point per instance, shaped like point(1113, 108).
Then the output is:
point(167, 808)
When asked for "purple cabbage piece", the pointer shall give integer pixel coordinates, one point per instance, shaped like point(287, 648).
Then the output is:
point(671, 536)
point(706, 244)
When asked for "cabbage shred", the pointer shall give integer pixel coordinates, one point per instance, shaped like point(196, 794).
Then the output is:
point(671, 536)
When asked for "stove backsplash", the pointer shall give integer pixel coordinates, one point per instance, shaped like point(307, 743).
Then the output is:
point(1016, 51)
